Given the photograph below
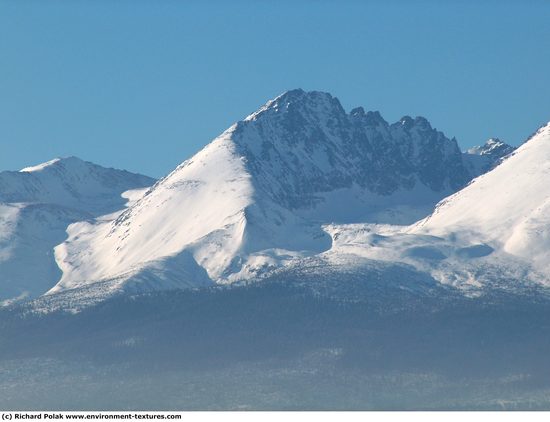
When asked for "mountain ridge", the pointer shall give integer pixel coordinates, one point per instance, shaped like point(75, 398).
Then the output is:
point(298, 185)
point(256, 198)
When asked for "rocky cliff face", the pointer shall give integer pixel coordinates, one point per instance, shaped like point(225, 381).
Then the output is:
point(302, 144)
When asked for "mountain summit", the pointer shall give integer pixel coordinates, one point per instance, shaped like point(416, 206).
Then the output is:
point(36, 206)
point(482, 158)
point(310, 146)
point(70, 182)
point(493, 147)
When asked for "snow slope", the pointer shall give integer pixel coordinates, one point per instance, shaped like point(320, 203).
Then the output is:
point(493, 234)
point(205, 208)
point(507, 208)
point(36, 206)
point(256, 198)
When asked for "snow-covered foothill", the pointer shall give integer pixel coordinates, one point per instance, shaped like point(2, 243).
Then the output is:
point(36, 206)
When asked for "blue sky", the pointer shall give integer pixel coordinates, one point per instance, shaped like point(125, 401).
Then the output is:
point(142, 85)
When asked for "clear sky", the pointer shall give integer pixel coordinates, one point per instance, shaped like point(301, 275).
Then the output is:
point(142, 85)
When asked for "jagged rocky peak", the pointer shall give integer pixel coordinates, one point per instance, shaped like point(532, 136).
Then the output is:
point(406, 122)
point(306, 106)
point(493, 147)
point(483, 158)
point(304, 143)
point(369, 118)
point(292, 117)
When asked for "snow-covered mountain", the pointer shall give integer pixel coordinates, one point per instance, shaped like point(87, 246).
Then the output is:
point(492, 235)
point(507, 208)
point(494, 147)
point(327, 227)
point(256, 198)
point(36, 206)
point(70, 182)
point(483, 158)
